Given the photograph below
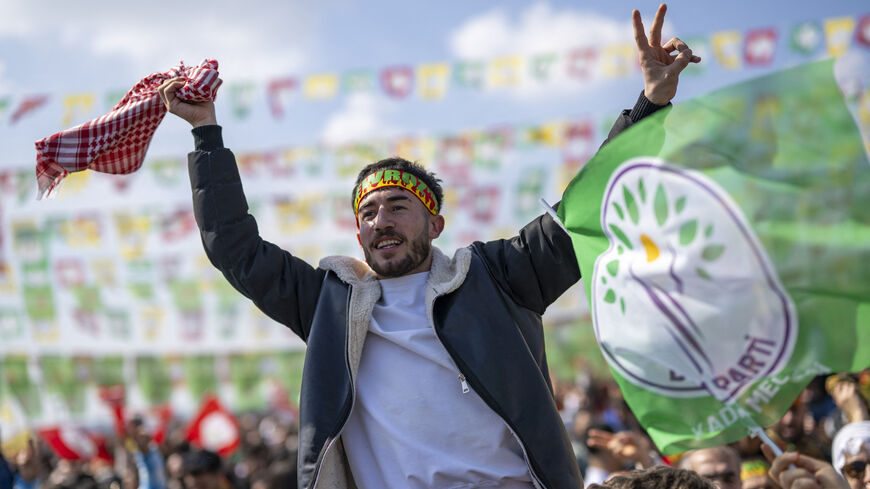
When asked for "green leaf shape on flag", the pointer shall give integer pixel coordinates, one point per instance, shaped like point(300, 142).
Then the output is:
point(785, 150)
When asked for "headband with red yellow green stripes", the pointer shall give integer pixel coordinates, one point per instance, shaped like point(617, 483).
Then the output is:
point(751, 468)
point(395, 178)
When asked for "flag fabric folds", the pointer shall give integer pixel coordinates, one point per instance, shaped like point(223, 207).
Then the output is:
point(725, 251)
point(116, 142)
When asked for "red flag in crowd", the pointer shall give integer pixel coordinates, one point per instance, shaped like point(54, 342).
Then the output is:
point(164, 416)
point(214, 428)
point(75, 443)
point(114, 397)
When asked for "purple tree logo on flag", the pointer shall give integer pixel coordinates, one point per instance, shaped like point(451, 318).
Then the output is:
point(685, 301)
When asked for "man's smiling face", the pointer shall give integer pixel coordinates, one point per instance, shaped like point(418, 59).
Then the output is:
point(396, 232)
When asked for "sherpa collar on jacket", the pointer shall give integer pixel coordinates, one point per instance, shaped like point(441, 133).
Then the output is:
point(445, 276)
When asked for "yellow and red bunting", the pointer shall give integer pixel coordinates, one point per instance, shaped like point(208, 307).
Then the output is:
point(396, 178)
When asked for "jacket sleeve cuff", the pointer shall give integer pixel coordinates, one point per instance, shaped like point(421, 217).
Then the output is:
point(643, 107)
point(207, 138)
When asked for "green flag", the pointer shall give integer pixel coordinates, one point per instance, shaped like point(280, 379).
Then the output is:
point(725, 250)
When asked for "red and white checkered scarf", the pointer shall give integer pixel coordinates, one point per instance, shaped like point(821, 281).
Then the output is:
point(116, 142)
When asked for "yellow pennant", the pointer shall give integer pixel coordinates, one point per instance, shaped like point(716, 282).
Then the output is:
point(320, 87)
point(727, 48)
point(432, 81)
point(505, 71)
point(76, 105)
point(838, 34)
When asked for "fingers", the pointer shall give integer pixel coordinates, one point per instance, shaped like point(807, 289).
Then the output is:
point(599, 438)
point(639, 34)
point(768, 453)
point(780, 463)
point(167, 90)
point(655, 32)
point(798, 478)
point(675, 44)
point(680, 62)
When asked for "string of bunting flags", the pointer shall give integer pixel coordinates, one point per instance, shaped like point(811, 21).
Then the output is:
point(728, 50)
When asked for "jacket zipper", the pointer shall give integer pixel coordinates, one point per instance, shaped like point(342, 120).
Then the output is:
point(463, 382)
point(352, 395)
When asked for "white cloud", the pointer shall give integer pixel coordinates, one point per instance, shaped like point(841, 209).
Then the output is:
point(254, 38)
point(539, 28)
point(542, 29)
point(362, 118)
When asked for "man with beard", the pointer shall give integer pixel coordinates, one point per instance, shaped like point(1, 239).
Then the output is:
point(421, 370)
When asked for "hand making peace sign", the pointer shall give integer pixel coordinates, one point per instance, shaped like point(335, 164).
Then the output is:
point(661, 70)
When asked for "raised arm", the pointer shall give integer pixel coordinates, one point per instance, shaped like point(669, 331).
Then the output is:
point(284, 287)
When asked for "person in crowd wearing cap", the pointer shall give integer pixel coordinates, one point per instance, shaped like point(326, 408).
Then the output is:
point(851, 454)
point(421, 369)
point(720, 465)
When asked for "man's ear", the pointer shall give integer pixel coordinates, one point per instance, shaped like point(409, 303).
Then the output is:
point(436, 226)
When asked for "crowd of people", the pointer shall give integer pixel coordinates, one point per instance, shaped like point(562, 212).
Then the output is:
point(825, 435)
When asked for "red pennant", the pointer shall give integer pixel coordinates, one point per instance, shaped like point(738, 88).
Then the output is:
point(760, 46)
point(579, 143)
point(214, 428)
point(862, 33)
point(27, 105)
point(581, 62)
point(398, 81)
point(277, 91)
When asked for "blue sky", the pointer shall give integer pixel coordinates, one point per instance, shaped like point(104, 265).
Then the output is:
point(97, 46)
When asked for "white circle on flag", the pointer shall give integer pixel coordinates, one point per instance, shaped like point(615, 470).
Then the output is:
point(685, 300)
point(218, 431)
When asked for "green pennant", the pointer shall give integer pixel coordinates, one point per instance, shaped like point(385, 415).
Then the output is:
point(60, 375)
point(201, 376)
point(806, 38)
point(541, 66)
point(16, 376)
point(152, 374)
point(247, 378)
point(108, 371)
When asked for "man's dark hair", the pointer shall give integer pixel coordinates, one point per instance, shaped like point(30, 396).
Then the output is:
point(658, 477)
point(396, 163)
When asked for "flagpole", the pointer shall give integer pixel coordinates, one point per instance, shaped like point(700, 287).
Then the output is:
point(552, 213)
